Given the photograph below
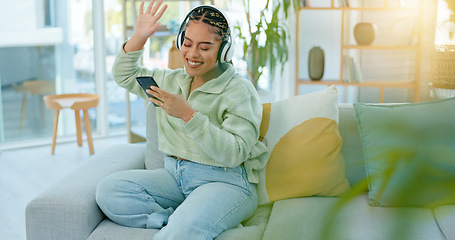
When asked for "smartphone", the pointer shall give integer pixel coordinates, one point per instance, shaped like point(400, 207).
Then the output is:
point(146, 82)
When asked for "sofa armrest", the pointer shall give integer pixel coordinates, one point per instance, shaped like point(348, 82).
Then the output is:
point(68, 209)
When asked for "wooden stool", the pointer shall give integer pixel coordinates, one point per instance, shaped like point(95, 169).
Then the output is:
point(38, 87)
point(76, 102)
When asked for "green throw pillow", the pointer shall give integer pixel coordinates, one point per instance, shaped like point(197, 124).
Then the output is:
point(409, 152)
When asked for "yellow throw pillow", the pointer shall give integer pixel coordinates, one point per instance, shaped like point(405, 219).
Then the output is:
point(303, 137)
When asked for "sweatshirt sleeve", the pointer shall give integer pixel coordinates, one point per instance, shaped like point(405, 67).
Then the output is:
point(127, 67)
point(231, 143)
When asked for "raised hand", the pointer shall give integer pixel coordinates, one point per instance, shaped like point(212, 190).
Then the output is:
point(147, 22)
point(146, 25)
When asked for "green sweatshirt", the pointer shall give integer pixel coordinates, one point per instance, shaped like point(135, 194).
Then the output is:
point(225, 130)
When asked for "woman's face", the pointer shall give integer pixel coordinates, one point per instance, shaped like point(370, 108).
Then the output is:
point(200, 49)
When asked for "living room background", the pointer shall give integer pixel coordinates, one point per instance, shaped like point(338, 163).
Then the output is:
point(78, 56)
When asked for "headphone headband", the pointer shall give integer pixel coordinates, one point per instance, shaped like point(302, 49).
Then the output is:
point(226, 52)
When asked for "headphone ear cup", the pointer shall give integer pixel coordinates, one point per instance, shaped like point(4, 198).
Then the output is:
point(180, 39)
point(222, 53)
point(229, 52)
point(225, 53)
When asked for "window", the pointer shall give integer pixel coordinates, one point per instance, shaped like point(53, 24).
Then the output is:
point(445, 24)
point(53, 53)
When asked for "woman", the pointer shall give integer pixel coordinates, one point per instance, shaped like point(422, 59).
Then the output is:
point(208, 123)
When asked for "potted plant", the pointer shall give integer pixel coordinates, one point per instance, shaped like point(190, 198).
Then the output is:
point(265, 41)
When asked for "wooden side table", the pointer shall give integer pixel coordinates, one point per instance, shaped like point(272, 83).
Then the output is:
point(77, 102)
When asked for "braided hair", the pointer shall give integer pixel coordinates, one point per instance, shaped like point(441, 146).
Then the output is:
point(214, 19)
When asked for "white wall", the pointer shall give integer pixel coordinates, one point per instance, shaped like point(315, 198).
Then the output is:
point(21, 15)
point(22, 24)
point(320, 28)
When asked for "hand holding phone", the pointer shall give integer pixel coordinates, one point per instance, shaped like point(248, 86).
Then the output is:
point(146, 82)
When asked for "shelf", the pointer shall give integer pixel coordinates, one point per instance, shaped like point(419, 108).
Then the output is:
point(387, 84)
point(377, 9)
point(381, 9)
point(318, 82)
point(349, 16)
point(35, 37)
point(381, 47)
point(322, 8)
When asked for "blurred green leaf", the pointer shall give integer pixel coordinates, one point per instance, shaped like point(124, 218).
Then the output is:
point(419, 176)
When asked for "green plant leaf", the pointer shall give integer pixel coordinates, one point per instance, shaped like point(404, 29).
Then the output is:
point(275, 52)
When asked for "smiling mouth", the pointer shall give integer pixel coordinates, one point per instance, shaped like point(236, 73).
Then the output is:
point(194, 64)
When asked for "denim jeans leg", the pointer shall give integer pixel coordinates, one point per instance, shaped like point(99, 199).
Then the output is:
point(139, 198)
point(213, 206)
point(208, 211)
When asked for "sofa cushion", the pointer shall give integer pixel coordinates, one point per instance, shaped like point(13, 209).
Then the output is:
point(352, 144)
point(154, 158)
point(445, 217)
point(252, 229)
point(303, 137)
point(307, 219)
point(409, 152)
point(109, 230)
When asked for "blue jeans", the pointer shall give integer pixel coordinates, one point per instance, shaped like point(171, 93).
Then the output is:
point(186, 200)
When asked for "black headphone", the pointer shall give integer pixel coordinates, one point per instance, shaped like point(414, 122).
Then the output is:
point(226, 51)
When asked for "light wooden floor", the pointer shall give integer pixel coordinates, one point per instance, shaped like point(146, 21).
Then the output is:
point(24, 173)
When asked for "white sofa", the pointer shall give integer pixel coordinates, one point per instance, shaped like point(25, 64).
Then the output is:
point(68, 209)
